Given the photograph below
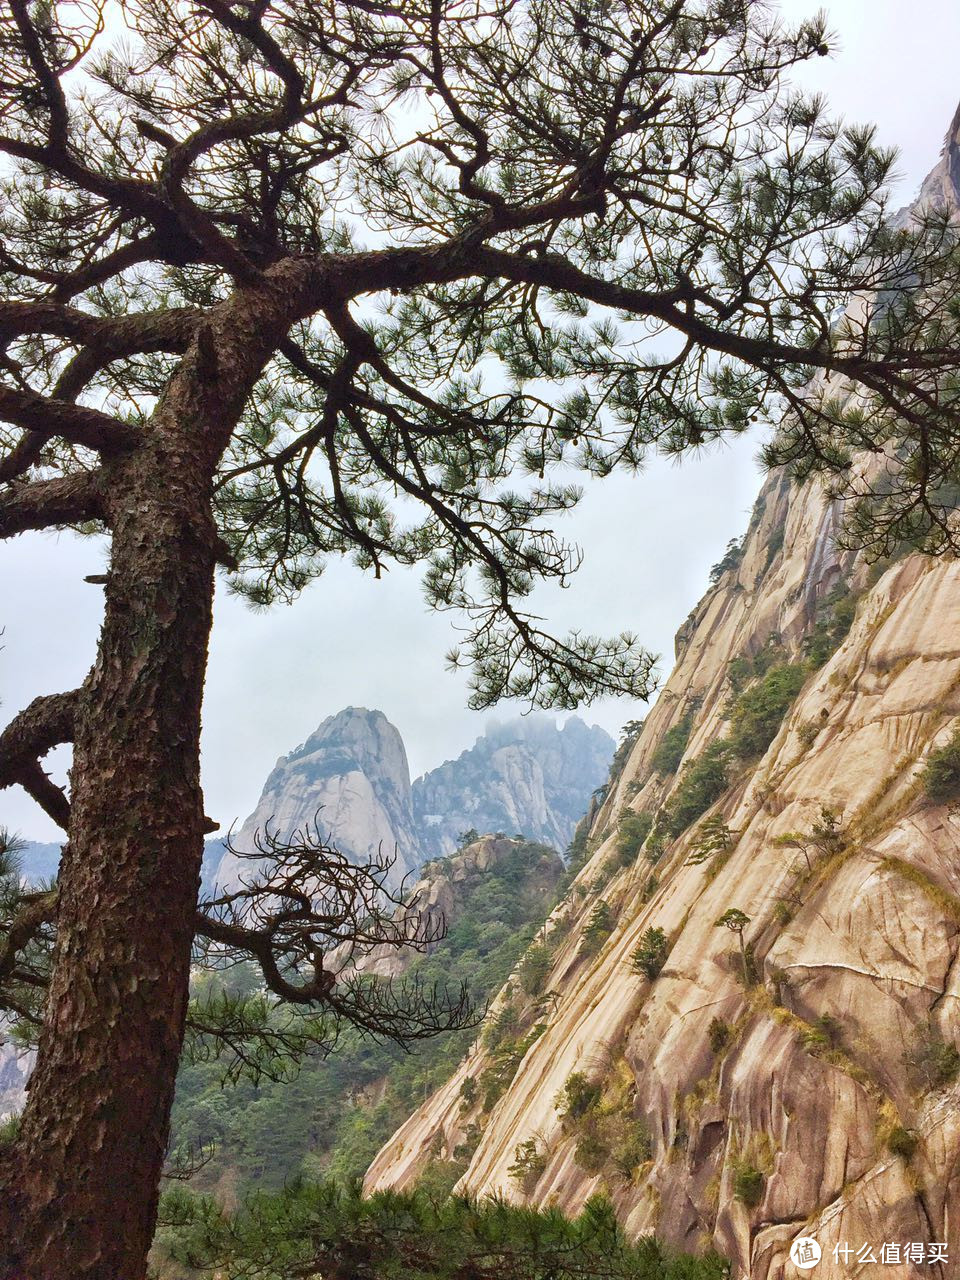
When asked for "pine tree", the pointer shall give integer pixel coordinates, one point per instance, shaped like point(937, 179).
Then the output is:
point(285, 281)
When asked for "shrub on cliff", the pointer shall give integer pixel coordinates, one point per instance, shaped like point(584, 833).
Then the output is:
point(598, 929)
point(633, 830)
point(931, 1061)
point(534, 969)
point(748, 1184)
point(667, 757)
point(941, 773)
point(576, 1097)
point(702, 782)
point(651, 955)
point(758, 711)
point(834, 619)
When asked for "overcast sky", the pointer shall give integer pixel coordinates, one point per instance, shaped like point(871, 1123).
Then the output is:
point(648, 541)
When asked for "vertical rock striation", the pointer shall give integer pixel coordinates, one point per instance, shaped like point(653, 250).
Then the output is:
point(351, 777)
point(807, 1085)
point(525, 776)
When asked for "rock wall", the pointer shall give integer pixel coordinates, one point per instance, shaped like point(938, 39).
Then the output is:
point(351, 777)
point(526, 776)
point(446, 885)
point(815, 1093)
point(523, 776)
point(15, 1067)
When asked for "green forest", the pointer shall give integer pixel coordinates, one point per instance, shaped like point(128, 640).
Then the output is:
point(333, 1115)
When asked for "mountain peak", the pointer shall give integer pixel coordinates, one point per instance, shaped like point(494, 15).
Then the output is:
point(526, 775)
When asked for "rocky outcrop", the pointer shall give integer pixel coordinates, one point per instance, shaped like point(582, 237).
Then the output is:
point(806, 1086)
point(526, 776)
point(446, 886)
point(38, 862)
point(15, 1067)
point(351, 778)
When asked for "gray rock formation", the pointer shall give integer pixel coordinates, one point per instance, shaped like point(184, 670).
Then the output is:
point(15, 1067)
point(351, 776)
point(526, 776)
point(38, 861)
point(447, 885)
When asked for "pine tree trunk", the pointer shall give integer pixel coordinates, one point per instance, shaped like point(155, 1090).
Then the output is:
point(94, 1132)
point(79, 1188)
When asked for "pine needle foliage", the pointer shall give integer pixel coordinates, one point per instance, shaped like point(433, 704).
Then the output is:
point(334, 1232)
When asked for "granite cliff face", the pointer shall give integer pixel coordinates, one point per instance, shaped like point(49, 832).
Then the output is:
point(524, 776)
point(38, 861)
point(15, 1067)
point(351, 777)
point(805, 1086)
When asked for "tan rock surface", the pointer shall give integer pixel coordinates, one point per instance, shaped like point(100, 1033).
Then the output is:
point(856, 958)
point(867, 945)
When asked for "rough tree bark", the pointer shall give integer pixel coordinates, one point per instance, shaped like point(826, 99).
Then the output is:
point(97, 1118)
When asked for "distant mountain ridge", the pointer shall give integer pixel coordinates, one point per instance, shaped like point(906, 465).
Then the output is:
point(524, 776)
point(527, 776)
point(38, 861)
point(351, 777)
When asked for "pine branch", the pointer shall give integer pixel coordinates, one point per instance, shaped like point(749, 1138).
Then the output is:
point(48, 504)
point(74, 423)
point(46, 723)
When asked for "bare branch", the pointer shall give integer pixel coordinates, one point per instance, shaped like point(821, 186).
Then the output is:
point(46, 723)
point(49, 504)
point(75, 423)
point(305, 906)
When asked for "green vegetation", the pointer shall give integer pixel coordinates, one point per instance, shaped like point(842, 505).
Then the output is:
point(941, 773)
point(825, 838)
point(669, 753)
point(651, 955)
point(534, 969)
point(528, 1164)
point(735, 920)
point(628, 740)
point(702, 782)
point(720, 1034)
point(609, 1137)
point(748, 1184)
point(597, 930)
point(579, 850)
point(630, 1144)
point(731, 560)
point(746, 668)
point(336, 1114)
point(902, 1142)
point(757, 712)
point(764, 686)
point(825, 1032)
point(633, 829)
point(577, 1096)
point(333, 1231)
point(713, 838)
point(835, 615)
point(774, 547)
point(932, 1062)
